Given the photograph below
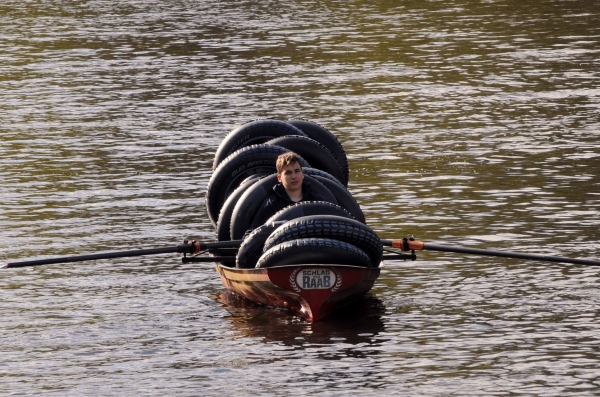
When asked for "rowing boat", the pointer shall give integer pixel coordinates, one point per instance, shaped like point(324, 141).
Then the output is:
point(317, 272)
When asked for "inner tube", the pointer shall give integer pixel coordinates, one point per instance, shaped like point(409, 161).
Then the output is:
point(317, 172)
point(343, 197)
point(306, 208)
point(224, 222)
point(309, 251)
point(248, 205)
point(252, 247)
point(253, 133)
point(245, 162)
point(327, 139)
point(312, 151)
point(328, 226)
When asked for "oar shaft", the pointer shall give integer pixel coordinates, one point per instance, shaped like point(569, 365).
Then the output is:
point(504, 254)
point(120, 254)
point(193, 248)
point(420, 245)
point(193, 259)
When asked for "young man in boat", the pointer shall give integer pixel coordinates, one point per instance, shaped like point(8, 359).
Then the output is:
point(291, 189)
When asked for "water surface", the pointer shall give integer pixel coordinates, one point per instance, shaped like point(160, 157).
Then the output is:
point(465, 122)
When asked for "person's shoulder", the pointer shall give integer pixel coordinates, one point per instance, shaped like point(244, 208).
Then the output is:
point(271, 198)
point(315, 196)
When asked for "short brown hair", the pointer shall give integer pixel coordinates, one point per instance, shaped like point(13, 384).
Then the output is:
point(287, 159)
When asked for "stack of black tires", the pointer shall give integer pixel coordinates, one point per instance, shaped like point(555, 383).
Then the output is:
point(326, 232)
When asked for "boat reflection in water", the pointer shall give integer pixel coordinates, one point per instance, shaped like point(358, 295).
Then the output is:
point(356, 322)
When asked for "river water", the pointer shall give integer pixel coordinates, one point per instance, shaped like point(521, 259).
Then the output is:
point(465, 122)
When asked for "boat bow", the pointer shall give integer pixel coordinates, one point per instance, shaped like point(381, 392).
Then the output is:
point(311, 290)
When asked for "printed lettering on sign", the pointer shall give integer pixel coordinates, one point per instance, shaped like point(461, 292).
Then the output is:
point(318, 278)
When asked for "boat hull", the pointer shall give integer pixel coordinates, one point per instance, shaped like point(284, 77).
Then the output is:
point(310, 290)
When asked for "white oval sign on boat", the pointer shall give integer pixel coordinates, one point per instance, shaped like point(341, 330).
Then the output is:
point(315, 278)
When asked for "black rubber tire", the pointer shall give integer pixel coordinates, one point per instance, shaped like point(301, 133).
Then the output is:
point(253, 133)
point(251, 160)
point(317, 172)
point(224, 222)
point(250, 202)
point(333, 227)
point(343, 197)
point(307, 208)
point(309, 251)
point(252, 247)
point(312, 151)
point(327, 139)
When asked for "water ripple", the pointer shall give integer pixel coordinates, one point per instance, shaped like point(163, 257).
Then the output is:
point(471, 123)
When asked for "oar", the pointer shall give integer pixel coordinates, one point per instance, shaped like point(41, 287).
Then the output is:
point(193, 247)
point(408, 245)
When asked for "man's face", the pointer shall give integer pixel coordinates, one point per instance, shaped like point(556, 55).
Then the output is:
point(291, 177)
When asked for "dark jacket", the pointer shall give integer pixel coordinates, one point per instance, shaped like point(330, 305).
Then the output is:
point(278, 201)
